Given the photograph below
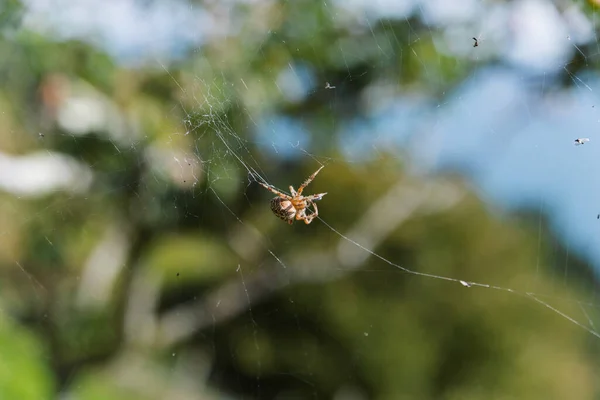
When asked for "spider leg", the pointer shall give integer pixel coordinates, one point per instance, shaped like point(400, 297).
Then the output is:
point(301, 215)
point(273, 190)
point(315, 213)
point(309, 180)
point(308, 218)
point(293, 192)
point(315, 197)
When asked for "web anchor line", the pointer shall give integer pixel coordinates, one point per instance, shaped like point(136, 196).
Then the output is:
point(531, 295)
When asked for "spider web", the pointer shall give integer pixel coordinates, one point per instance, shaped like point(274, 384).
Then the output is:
point(236, 149)
point(354, 247)
point(226, 145)
point(221, 149)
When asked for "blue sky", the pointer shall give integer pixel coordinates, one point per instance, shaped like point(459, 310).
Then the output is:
point(133, 32)
point(516, 143)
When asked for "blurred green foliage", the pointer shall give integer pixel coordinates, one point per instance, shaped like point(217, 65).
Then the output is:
point(168, 277)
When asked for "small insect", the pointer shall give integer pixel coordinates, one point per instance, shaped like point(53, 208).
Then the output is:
point(581, 141)
point(295, 206)
point(328, 86)
point(476, 42)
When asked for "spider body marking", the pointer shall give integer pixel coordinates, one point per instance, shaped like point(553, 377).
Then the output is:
point(295, 206)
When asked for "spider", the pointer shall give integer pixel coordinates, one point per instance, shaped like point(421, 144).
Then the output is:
point(295, 206)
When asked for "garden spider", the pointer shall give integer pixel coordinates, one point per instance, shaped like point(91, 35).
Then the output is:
point(295, 206)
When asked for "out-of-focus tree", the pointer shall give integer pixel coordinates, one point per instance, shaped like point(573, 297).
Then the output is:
point(147, 264)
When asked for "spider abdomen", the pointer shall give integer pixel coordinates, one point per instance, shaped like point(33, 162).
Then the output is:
point(283, 208)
